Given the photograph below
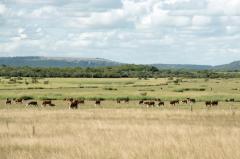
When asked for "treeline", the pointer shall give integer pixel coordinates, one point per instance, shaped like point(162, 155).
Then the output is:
point(123, 71)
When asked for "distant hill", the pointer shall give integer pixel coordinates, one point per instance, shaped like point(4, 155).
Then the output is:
point(34, 61)
point(182, 66)
point(232, 66)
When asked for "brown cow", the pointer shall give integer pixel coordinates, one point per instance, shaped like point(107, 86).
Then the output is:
point(184, 101)
point(214, 103)
point(8, 101)
point(141, 102)
point(174, 102)
point(149, 103)
point(161, 103)
point(97, 102)
point(73, 104)
point(18, 101)
point(191, 100)
point(208, 103)
point(46, 102)
point(33, 103)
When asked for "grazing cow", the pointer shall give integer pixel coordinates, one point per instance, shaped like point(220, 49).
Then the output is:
point(141, 102)
point(8, 101)
point(227, 100)
point(32, 103)
point(174, 102)
point(208, 103)
point(73, 104)
point(232, 100)
point(126, 100)
point(118, 101)
point(184, 101)
point(161, 103)
point(46, 102)
point(149, 103)
point(192, 100)
point(214, 103)
point(18, 100)
point(97, 102)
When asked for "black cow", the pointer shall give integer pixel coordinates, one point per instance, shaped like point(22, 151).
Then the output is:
point(74, 104)
point(97, 102)
point(8, 101)
point(32, 103)
point(161, 103)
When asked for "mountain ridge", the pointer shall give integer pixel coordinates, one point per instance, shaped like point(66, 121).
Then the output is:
point(42, 61)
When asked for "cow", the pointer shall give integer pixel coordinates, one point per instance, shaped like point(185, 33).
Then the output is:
point(208, 103)
point(191, 100)
point(32, 103)
point(8, 101)
point(74, 104)
point(141, 102)
point(161, 103)
point(97, 102)
point(118, 101)
point(126, 100)
point(149, 103)
point(184, 101)
point(214, 103)
point(46, 102)
point(18, 101)
point(174, 102)
point(232, 100)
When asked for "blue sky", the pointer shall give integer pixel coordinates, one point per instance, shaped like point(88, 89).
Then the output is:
point(133, 31)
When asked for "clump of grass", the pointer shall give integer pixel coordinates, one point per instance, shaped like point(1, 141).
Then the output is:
point(146, 90)
point(26, 97)
point(35, 88)
point(189, 89)
point(110, 89)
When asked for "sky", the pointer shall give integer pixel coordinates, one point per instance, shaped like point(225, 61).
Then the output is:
point(130, 31)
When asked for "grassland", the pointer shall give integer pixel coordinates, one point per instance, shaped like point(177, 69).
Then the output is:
point(59, 88)
point(120, 131)
point(119, 134)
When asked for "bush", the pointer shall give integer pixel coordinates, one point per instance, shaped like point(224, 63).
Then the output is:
point(110, 89)
point(26, 97)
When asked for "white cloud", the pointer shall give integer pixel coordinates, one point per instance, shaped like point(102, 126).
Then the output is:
point(125, 30)
point(3, 9)
point(224, 7)
point(201, 20)
point(45, 12)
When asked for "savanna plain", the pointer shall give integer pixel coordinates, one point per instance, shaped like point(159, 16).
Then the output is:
point(120, 131)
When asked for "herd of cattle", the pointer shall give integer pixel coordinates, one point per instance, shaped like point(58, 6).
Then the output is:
point(74, 103)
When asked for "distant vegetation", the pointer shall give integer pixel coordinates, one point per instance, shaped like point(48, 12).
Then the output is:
point(123, 71)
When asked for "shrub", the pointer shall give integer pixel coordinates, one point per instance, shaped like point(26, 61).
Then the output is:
point(110, 89)
point(26, 97)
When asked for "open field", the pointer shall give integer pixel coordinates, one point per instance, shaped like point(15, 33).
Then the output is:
point(120, 131)
point(119, 134)
point(166, 89)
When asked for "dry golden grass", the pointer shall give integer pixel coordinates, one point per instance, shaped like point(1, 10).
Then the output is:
point(119, 134)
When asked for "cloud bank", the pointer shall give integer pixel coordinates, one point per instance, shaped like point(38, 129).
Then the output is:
point(135, 31)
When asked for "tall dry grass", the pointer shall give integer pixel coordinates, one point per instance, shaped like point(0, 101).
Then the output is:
point(119, 134)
